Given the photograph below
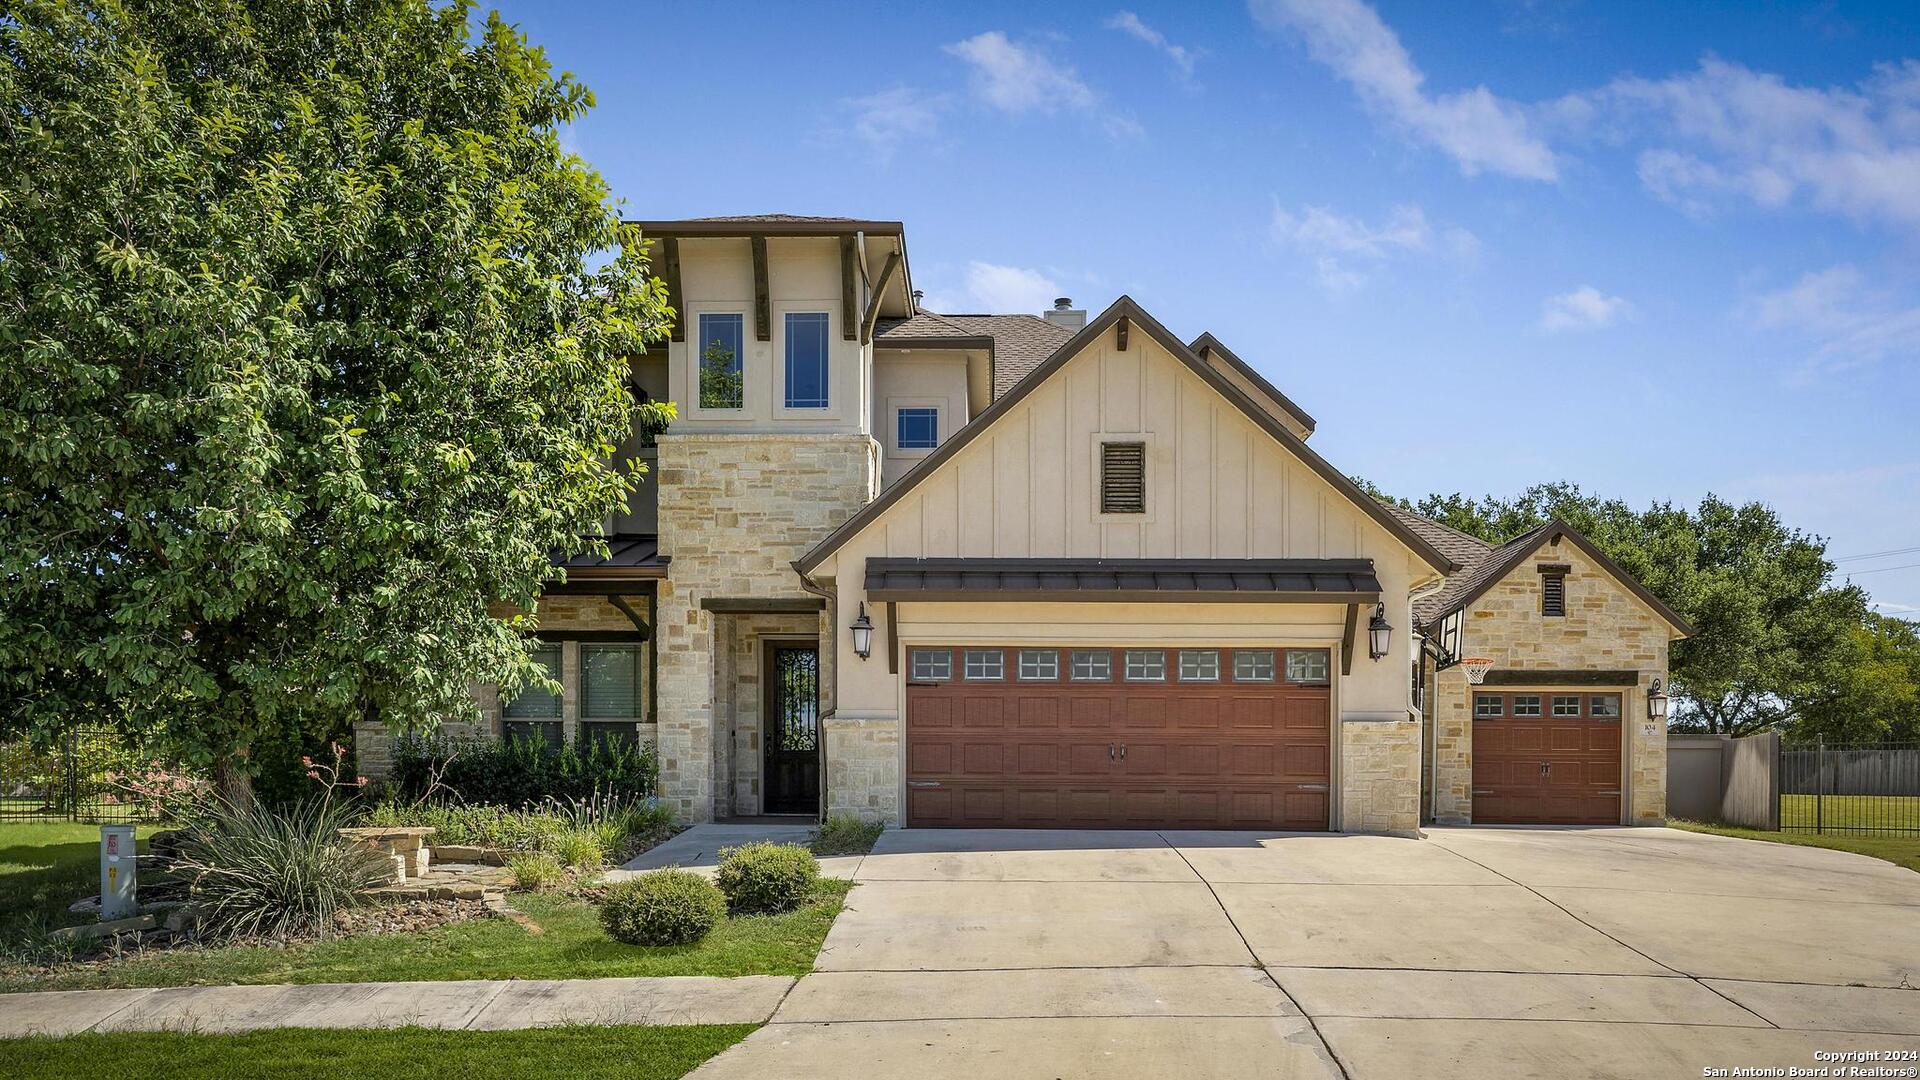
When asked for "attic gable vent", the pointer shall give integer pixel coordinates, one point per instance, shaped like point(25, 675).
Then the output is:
point(1123, 478)
point(1553, 589)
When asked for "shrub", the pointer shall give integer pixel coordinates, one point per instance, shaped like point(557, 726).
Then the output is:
point(665, 907)
point(766, 878)
point(579, 850)
point(536, 870)
point(254, 871)
point(610, 820)
point(844, 834)
point(524, 771)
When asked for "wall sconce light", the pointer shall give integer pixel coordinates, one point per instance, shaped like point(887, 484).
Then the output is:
point(863, 633)
point(1656, 702)
point(1379, 634)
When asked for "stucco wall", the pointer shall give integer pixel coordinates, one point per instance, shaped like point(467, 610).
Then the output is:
point(735, 511)
point(1218, 487)
point(1606, 627)
point(922, 379)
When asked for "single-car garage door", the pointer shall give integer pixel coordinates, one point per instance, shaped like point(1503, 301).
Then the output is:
point(1544, 758)
point(1117, 737)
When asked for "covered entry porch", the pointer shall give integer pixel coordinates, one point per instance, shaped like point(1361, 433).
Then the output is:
point(768, 665)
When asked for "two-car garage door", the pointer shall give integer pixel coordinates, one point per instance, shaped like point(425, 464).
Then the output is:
point(1118, 737)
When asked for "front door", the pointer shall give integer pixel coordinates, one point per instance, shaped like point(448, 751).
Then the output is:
point(793, 729)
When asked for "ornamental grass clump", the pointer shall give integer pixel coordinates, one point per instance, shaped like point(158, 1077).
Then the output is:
point(665, 907)
point(257, 872)
point(536, 871)
point(766, 879)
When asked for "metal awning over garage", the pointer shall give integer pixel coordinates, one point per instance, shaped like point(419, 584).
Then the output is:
point(1215, 581)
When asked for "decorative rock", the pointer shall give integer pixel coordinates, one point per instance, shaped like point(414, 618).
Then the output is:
point(112, 928)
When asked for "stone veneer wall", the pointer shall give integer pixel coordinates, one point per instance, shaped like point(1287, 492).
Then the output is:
point(735, 511)
point(373, 743)
point(739, 723)
point(863, 768)
point(1606, 627)
point(1380, 776)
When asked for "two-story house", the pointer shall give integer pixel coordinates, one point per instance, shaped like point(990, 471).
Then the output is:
point(1045, 569)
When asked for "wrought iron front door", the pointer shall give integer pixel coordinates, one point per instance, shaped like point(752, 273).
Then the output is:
point(792, 783)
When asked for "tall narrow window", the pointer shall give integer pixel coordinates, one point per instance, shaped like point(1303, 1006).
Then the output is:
point(917, 429)
point(806, 360)
point(537, 703)
point(1123, 478)
point(1553, 594)
point(722, 380)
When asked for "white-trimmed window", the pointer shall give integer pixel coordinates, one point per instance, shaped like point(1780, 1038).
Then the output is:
point(717, 365)
point(1146, 665)
point(1566, 704)
point(1526, 704)
point(932, 665)
point(1489, 705)
point(1092, 665)
point(1253, 665)
point(916, 427)
point(1040, 664)
point(1199, 665)
point(1308, 666)
point(983, 665)
point(1604, 706)
point(806, 355)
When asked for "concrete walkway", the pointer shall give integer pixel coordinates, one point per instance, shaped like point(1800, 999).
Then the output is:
point(1556, 953)
point(478, 1005)
point(698, 849)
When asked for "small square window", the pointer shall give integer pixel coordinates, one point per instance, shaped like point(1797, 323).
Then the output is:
point(1039, 664)
point(1253, 665)
point(1199, 665)
point(1526, 704)
point(984, 664)
point(932, 665)
point(1489, 705)
point(1146, 665)
point(1307, 666)
point(916, 429)
point(1092, 665)
point(1604, 706)
point(1566, 705)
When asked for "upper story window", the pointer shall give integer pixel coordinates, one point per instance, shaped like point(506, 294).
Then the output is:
point(917, 429)
point(806, 359)
point(722, 380)
point(1123, 478)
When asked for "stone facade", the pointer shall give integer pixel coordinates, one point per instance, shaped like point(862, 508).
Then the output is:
point(735, 511)
point(863, 767)
point(1380, 776)
point(739, 720)
point(1606, 627)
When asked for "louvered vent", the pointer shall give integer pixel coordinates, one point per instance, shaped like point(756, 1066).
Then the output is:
point(1553, 594)
point(1123, 478)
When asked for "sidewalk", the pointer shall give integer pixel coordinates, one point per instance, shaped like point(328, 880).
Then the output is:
point(478, 1005)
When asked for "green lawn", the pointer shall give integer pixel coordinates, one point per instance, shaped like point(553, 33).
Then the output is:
point(1900, 850)
point(570, 946)
point(628, 1053)
point(45, 866)
point(1842, 811)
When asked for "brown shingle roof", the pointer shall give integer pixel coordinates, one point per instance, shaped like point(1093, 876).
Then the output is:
point(1477, 570)
point(1020, 342)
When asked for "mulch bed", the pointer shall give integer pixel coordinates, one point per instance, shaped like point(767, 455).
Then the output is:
point(412, 916)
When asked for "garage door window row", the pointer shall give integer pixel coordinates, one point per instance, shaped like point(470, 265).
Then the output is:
point(1534, 706)
point(1306, 667)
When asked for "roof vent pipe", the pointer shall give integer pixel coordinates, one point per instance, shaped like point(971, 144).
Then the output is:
point(1064, 314)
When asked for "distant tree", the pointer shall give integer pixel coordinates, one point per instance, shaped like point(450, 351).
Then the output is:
point(314, 347)
point(1774, 636)
point(1875, 691)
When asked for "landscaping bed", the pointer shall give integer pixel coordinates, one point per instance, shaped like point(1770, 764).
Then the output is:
point(589, 1053)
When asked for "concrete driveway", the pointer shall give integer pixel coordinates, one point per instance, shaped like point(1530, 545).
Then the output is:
point(1634, 953)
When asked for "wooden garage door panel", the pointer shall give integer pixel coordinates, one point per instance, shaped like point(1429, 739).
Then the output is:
point(1216, 754)
point(1559, 770)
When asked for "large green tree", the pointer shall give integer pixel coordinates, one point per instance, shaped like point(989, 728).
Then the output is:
point(312, 345)
point(1775, 637)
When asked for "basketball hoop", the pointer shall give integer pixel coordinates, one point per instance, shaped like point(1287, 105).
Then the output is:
point(1476, 668)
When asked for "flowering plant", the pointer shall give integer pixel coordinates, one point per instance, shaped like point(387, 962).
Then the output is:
point(160, 793)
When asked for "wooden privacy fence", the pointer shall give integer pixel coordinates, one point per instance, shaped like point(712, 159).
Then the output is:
point(1721, 778)
point(1818, 787)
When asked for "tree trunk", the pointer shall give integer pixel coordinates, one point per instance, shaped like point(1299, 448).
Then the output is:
point(232, 780)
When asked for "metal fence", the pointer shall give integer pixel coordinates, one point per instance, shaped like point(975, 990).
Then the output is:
point(1860, 788)
point(84, 775)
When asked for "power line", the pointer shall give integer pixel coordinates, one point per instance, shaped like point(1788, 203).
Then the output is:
point(1882, 569)
point(1877, 554)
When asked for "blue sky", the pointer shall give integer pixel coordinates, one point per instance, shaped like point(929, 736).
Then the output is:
point(1657, 252)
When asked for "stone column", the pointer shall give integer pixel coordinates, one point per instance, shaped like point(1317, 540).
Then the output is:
point(1380, 776)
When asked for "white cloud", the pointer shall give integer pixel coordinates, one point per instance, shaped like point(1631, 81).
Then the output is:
point(1727, 131)
point(1846, 322)
point(1347, 250)
point(995, 288)
point(885, 119)
point(1017, 79)
point(1585, 308)
point(1479, 130)
point(1129, 24)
